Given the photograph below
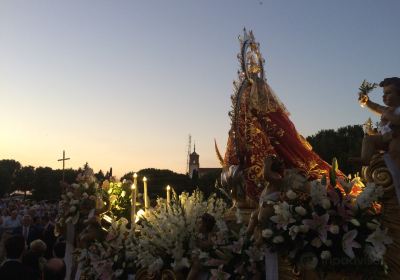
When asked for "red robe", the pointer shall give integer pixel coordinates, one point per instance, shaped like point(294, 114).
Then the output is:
point(263, 128)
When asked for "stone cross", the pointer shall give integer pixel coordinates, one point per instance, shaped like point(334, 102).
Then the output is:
point(63, 159)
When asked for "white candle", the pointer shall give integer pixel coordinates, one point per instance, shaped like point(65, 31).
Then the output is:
point(146, 199)
point(133, 207)
point(168, 196)
point(135, 179)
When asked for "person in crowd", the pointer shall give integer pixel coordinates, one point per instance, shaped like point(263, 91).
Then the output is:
point(48, 235)
point(12, 223)
point(34, 260)
point(54, 269)
point(27, 230)
point(12, 268)
point(59, 249)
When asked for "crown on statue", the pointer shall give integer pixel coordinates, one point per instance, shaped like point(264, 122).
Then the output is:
point(250, 58)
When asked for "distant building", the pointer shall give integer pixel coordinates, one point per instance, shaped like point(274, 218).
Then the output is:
point(194, 166)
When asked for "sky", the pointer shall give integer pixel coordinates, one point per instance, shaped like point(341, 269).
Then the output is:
point(123, 83)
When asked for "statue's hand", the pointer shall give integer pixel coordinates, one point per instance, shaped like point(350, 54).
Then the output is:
point(362, 98)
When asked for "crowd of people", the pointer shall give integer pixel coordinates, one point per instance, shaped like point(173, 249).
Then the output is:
point(29, 248)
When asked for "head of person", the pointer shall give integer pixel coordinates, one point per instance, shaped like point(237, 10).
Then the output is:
point(15, 246)
point(26, 220)
point(54, 269)
point(391, 91)
point(38, 247)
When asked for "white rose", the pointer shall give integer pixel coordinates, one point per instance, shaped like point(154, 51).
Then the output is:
point(316, 242)
point(72, 209)
point(85, 195)
point(334, 229)
point(267, 233)
point(325, 255)
point(300, 210)
point(328, 242)
point(325, 203)
point(70, 194)
point(291, 194)
point(355, 222)
point(86, 186)
point(304, 228)
point(123, 194)
point(278, 239)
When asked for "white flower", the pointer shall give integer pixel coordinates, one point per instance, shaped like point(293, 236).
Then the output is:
point(304, 228)
point(293, 231)
point(75, 186)
point(300, 210)
point(334, 229)
point(379, 239)
point(370, 194)
point(180, 264)
point(328, 242)
point(373, 254)
point(318, 192)
point(72, 209)
point(325, 203)
point(291, 194)
point(283, 216)
point(278, 239)
point(325, 255)
point(123, 193)
point(74, 201)
point(70, 194)
point(85, 195)
point(267, 233)
point(316, 242)
point(355, 222)
point(85, 185)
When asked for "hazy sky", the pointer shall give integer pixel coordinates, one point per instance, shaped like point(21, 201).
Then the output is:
point(122, 83)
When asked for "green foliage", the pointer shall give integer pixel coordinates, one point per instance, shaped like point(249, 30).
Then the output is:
point(367, 87)
point(342, 143)
point(8, 169)
point(158, 179)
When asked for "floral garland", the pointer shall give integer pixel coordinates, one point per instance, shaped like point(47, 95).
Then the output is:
point(328, 228)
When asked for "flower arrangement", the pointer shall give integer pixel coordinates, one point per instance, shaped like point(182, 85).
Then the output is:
point(334, 227)
point(80, 200)
point(168, 233)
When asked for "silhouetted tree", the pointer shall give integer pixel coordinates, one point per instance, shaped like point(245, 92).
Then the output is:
point(24, 178)
point(342, 143)
point(8, 169)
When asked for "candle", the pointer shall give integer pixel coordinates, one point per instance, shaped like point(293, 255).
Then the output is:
point(133, 207)
point(168, 196)
point(146, 199)
point(135, 179)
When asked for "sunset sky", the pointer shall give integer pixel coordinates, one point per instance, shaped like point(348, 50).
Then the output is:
point(122, 83)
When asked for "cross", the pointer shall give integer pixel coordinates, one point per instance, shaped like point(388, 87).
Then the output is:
point(63, 160)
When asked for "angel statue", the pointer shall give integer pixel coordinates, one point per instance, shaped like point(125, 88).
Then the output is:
point(260, 127)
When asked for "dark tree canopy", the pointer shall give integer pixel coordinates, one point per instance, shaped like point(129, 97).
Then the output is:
point(342, 143)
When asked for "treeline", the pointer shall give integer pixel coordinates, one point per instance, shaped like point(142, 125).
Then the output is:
point(44, 182)
point(341, 143)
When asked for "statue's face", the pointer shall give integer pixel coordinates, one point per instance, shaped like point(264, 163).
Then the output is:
point(391, 96)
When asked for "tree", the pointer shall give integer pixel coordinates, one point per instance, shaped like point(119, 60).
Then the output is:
point(8, 168)
point(24, 178)
point(342, 143)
